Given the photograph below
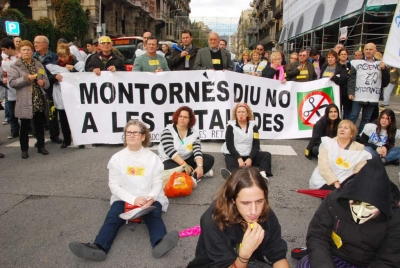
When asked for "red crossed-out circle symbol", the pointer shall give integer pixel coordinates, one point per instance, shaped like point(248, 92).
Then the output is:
point(310, 107)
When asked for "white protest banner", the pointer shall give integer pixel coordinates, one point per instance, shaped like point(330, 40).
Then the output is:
point(99, 106)
point(369, 80)
point(391, 56)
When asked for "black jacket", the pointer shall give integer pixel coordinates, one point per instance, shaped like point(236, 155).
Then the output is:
point(216, 248)
point(375, 243)
point(321, 129)
point(49, 58)
point(95, 62)
point(177, 63)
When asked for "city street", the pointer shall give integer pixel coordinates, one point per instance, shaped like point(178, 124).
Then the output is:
point(48, 201)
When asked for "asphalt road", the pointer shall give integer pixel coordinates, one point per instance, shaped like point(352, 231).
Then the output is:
point(48, 201)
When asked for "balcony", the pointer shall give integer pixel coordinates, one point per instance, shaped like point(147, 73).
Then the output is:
point(270, 38)
point(252, 30)
point(270, 19)
point(278, 11)
point(161, 17)
point(137, 3)
point(264, 24)
point(265, 7)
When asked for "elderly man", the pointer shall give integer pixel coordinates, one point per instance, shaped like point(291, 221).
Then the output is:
point(302, 71)
point(213, 57)
point(184, 60)
point(150, 61)
point(366, 78)
point(338, 47)
point(106, 59)
point(46, 56)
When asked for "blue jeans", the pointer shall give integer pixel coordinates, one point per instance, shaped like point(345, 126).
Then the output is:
point(392, 155)
point(368, 109)
point(113, 222)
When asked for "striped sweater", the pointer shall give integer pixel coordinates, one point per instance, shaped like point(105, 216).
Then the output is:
point(171, 144)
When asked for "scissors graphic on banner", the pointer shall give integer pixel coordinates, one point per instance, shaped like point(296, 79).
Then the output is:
point(311, 101)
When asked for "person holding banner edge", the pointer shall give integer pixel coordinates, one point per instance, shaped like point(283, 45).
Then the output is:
point(180, 146)
point(242, 145)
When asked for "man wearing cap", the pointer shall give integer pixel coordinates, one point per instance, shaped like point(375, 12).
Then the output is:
point(105, 60)
point(150, 61)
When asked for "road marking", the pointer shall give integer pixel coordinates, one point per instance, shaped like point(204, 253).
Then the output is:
point(207, 147)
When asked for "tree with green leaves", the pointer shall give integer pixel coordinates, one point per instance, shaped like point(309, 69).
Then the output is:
point(71, 20)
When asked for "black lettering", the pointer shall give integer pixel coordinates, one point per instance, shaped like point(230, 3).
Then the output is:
point(271, 98)
point(122, 92)
point(202, 134)
point(200, 119)
point(284, 103)
point(146, 118)
point(168, 118)
point(238, 89)
point(228, 115)
point(129, 115)
point(222, 87)
point(175, 93)
point(163, 94)
point(189, 92)
point(206, 90)
point(216, 120)
point(257, 119)
point(88, 123)
point(278, 120)
point(141, 88)
point(90, 95)
point(115, 128)
point(267, 121)
point(112, 93)
point(255, 94)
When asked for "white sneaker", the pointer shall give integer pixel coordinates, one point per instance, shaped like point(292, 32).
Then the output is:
point(194, 184)
point(264, 175)
point(209, 174)
point(225, 173)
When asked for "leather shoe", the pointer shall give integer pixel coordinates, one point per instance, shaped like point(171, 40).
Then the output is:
point(64, 145)
point(24, 154)
point(43, 151)
point(81, 146)
point(57, 140)
point(1, 155)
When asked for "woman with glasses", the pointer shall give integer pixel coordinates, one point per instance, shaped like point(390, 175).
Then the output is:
point(242, 145)
point(379, 138)
point(256, 65)
point(29, 78)
point(180, 146)
point(275, 69)
point(135, 177)
point(244, 61)
point(240, 229)
point(346, 103)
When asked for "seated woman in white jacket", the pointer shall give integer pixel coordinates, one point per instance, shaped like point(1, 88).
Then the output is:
point(338, 158)
point(242, 145)
point(134, 178)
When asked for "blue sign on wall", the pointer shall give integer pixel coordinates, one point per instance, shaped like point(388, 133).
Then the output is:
point(12, 28)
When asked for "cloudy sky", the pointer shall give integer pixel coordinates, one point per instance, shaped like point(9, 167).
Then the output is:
point(218, 8)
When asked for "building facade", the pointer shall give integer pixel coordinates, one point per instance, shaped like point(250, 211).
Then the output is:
point(120, 17)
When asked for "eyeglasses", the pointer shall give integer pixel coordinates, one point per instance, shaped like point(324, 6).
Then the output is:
point(183, 117)
point(302, 55)
point(134, 133)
